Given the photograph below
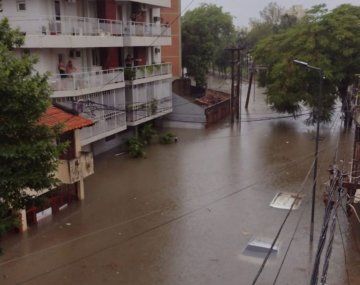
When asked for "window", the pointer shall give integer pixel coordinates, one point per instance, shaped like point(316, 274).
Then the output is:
point(21, 5)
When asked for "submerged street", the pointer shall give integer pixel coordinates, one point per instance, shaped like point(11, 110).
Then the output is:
point(185, 214)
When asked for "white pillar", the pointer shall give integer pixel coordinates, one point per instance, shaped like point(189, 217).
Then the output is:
point(80, 189)
point(23, 221)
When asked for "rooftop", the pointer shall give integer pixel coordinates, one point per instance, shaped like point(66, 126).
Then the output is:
point(55, 116)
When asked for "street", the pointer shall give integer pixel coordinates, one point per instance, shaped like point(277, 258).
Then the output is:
point(185, 213)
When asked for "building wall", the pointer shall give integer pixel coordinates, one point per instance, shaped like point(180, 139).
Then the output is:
point(173, 53)
point(186, 111)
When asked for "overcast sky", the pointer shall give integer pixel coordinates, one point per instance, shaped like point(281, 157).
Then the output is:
point(243, 10)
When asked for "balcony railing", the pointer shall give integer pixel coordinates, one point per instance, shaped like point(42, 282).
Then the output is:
point(146, 71)
point(141, 29)
point(109, 122)
point(68, 25)
point(83, 26)
point(139, 111)
point(84, 80)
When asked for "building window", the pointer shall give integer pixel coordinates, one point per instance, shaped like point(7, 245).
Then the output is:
point(21, 5)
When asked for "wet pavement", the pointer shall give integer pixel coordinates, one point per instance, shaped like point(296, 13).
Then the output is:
point(185, 214)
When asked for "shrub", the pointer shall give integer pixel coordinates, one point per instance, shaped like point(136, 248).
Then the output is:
point(146, 133)
point(135, 148)
point(167, 138)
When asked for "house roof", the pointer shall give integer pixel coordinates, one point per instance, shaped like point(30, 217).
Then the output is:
point(212, 97)
point(55, 116)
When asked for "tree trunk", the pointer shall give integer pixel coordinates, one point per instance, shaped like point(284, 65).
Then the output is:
point(346, 104)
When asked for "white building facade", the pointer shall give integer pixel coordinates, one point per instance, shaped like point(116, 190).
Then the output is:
point(103, 58)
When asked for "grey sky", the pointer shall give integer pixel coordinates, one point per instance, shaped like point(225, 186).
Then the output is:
point(243, 10)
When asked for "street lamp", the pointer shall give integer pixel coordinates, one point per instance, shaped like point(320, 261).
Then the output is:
point(321, 75)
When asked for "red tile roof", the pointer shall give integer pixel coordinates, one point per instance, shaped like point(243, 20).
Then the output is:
point(212, 97)
point(54, 116)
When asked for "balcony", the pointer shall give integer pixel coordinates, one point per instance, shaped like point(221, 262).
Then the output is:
point(81, 32)
point(71, 171)
point(80, 83)
point(148, 73)
point(139, 113)
point(107, 125)
point(67, 31)
point(147, 101)
point(146, 34)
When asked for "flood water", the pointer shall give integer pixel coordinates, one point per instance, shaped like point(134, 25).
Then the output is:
point(185, 213)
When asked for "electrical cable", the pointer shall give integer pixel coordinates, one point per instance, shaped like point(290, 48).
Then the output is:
point(282, 226)
point(344, 250)
point(280, 229)
point(290, 243)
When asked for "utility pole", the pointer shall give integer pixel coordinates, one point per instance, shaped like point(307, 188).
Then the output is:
point(235, 97)
point(232, 97)
point(238, 86)
point(250, 83)
point(316, 155)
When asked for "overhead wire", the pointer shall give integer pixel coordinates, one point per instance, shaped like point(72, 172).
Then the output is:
point(280, 229)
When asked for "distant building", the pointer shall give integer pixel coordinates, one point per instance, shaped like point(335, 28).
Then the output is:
point(297, 10)
point(111, 60)
point(195, 107)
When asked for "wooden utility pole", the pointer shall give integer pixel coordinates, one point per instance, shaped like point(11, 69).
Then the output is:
point(232, 97)
point(238, 86)
point(235, 98)
point(250, 82)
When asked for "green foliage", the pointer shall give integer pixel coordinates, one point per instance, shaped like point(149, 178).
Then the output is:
point(149, 69)
point(167, 138)
point(129, 73)
point(273, 19)
point(146, 133)
point(206, 31)
point(28, 155)
point(329, 40)
point(153, 106)
point(135, 147)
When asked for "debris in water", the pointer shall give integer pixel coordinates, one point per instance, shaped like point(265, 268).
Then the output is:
point(68, 224)
point(284, 200)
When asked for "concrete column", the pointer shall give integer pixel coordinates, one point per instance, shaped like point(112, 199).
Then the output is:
point(80, 189)
point(23, 221)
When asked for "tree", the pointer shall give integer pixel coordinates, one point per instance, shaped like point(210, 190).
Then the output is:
point(28, 154)
point(329, 40)
point(206, 31)
point(273, 19)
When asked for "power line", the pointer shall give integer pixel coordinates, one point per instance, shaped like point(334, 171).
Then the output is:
point(282, 226)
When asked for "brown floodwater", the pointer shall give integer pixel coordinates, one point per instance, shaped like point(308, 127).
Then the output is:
point(185, 213)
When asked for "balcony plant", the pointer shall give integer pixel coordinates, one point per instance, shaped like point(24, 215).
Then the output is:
point(129, 73)
point(149, 70)
point(153, 106)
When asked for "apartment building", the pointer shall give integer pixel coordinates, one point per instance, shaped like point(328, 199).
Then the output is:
point(104, 59)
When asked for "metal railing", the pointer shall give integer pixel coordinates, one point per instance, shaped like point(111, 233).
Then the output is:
point(84, 80)
point(139, 111)
point(142, 29)
point(145, 71)
point(68, 25)
point(84, 26)
point(104, 124)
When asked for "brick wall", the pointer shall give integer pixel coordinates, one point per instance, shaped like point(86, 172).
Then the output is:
point(109, 56)
point(173, 53)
